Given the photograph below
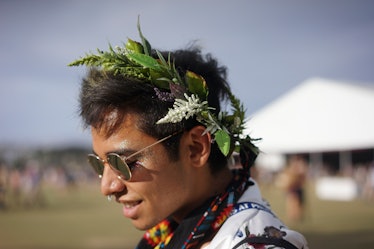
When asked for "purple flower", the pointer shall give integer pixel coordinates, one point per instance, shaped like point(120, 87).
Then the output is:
point(164, 96)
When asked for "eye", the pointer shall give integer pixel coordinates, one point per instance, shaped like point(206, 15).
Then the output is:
point(134, 164)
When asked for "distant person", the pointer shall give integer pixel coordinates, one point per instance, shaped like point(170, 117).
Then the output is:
point(161, 143)
point(294, 184)
point(368, 192)
point(3, 185)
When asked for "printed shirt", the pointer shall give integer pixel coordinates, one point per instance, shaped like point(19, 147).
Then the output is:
point(252, 225)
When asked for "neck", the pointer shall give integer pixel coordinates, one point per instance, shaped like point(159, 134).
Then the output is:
point(220, 181)
point(205, 188)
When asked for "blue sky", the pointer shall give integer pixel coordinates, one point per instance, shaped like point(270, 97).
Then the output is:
point(269, 47)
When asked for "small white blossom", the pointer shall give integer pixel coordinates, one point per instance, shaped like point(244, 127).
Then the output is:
point(184, 108)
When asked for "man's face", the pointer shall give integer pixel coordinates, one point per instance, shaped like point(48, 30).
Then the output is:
point(158, 187)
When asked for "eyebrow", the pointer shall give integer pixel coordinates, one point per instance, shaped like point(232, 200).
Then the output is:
point(120, 152)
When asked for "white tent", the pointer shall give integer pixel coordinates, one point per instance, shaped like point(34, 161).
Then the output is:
point(318, 115)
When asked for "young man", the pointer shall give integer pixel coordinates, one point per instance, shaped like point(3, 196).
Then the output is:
point(161, 145)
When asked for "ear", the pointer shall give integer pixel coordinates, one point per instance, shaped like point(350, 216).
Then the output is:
point(198, 145)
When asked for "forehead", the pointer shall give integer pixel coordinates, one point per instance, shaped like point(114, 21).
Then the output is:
point(114, 120)
point(126, 136)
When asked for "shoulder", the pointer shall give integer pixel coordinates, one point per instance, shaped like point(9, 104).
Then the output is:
point(252, 218)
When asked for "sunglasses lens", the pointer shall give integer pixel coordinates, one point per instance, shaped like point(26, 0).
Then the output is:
point(120, 165)
point(96, 164)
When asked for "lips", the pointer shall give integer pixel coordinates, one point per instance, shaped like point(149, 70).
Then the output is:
point(131, 209)
point(131, 204)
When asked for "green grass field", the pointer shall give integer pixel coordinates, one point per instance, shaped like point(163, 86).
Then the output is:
point(82, 218)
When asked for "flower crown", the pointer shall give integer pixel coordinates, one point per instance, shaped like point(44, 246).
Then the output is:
point(189, 92)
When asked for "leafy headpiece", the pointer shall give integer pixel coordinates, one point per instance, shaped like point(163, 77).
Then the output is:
point(189, 92)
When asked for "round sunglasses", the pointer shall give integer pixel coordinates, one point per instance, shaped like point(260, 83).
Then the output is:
point(117, 162)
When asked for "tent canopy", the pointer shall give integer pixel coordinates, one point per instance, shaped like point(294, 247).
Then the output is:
point(318, 115)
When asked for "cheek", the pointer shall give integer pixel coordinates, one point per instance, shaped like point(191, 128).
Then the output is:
point(167, 191)
point(162, 197)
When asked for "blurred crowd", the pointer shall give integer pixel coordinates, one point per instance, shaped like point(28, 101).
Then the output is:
point(23, 182)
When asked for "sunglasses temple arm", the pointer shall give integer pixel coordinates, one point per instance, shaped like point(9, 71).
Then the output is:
point(157, 142)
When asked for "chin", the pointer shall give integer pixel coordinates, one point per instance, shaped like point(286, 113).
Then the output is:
point(142, 226)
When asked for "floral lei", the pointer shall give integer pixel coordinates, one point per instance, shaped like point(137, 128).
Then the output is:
point(189, 92)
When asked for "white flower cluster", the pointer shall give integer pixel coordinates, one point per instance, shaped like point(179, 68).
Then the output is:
point(184, 108)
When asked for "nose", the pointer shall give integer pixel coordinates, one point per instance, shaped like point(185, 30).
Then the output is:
point(111, 183)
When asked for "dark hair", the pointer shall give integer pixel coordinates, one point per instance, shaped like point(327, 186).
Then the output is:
point(102, 92)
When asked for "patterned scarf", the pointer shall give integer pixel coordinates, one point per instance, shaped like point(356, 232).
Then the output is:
point(208, 221)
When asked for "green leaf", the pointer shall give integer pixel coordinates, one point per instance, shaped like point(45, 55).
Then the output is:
point(145, 61)
point(159, 80)
point(196, 84)
point(146, 44)
point(223, 141)
point(134, 46)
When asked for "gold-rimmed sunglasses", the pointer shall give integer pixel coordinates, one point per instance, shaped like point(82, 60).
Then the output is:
point(117, 162)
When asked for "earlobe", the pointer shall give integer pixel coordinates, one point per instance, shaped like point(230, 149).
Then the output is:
point(199, 146)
